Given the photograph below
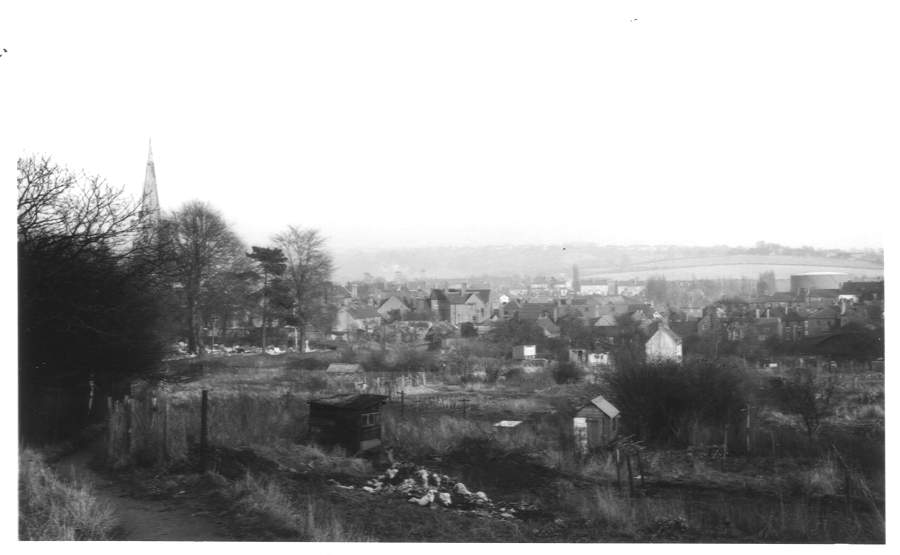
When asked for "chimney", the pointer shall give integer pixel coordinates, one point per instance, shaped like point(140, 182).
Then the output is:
point(465, 286)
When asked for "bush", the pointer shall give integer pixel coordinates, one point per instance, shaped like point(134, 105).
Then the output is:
point(307, 363)
point(567, 372)
point(665, 401)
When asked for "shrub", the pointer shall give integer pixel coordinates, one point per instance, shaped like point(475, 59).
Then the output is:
point(567, 372)
point(663, 401)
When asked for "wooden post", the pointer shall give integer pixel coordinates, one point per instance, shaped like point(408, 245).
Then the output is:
point(724, 446)
point(748, 430)
point(630, 474)
point(110, 436)
point(204, 438)
point(640, 466)
point(402, 404)
point(618, 471)
point(127, 407)
point(165, 429)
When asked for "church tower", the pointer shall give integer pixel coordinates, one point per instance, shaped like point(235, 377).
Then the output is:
point(149, 213)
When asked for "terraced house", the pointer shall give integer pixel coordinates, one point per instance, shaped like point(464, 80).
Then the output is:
point(461, 305)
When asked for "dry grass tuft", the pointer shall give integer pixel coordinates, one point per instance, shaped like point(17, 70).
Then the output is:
point(306, 518)
point(51, 509)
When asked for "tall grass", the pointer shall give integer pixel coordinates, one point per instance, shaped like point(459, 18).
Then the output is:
point(52, 509)
point(301, 517)
point(729, 518)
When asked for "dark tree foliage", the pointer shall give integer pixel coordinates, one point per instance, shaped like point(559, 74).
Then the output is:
point(518, 332)
point(467, 329)
point(567, 372)
point(578, 334)
point(629, 341)
point(657, 291)
point(664, 402)
point(89, 301)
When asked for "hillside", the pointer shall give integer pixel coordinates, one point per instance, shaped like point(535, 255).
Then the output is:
point(600, 260)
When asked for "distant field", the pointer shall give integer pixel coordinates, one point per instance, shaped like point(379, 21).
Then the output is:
point(736, 266)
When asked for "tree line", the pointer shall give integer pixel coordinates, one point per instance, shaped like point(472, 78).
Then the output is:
point(102, 294)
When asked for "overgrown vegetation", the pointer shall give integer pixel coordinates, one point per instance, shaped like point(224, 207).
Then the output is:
point(51, 508)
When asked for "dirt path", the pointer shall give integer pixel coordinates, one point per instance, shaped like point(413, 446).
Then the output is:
point(141, 519)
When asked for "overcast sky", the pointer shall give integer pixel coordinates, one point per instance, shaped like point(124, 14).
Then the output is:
point(414, 123)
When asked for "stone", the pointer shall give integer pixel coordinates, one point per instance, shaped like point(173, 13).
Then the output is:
point(444, 499)
point(461, 489)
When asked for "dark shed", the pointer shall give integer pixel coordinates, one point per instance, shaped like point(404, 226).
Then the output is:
point(351, 421)
point(596, 424)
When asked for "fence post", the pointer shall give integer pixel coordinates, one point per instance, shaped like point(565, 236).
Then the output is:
point(165, 428)
point(109, 428)
point(724, 446)
point(402, 404)
point(748, 430)
point(630, 474)
point(204, 438)
point(640, 466)
point(618, 470)
point(128, 432)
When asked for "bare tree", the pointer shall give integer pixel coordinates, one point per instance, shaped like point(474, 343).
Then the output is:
point(270, 263)
point(203, 247)
point(64, 213)
point(309, 268)
point(810, 394)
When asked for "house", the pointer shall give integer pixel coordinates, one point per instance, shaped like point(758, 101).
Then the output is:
point(551, 330)
point(764, 328)
point(509, 310)
point(630, 288)
point(864, 290)
point(461, 305)
point(524, 352)
point(823, 321)
point(596, 424)
point(663, 345)
point(685, 329)
point(350, 421)
point(393, 305)
point(587, 358)
point(532, 312)
point(794, 326)
point(352, 320)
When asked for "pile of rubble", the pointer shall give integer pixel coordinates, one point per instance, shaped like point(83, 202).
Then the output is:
point(431, 489)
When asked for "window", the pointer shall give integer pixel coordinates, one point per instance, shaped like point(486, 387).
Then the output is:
point(370, 419)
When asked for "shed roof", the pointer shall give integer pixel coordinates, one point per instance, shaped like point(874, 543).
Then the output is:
point(351, 401)
point(608, 409)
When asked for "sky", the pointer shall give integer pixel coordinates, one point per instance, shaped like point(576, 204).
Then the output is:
point(476, 122)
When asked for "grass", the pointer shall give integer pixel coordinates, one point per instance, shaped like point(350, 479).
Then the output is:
point(53, 509)
point(267, 503)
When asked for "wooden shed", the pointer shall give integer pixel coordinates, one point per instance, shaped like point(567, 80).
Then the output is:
point(352, 421)
point(596, 424)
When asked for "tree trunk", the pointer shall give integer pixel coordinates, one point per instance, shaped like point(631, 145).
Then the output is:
point(192, 327)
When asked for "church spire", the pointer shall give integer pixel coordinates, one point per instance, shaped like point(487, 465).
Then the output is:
point(149, 214)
